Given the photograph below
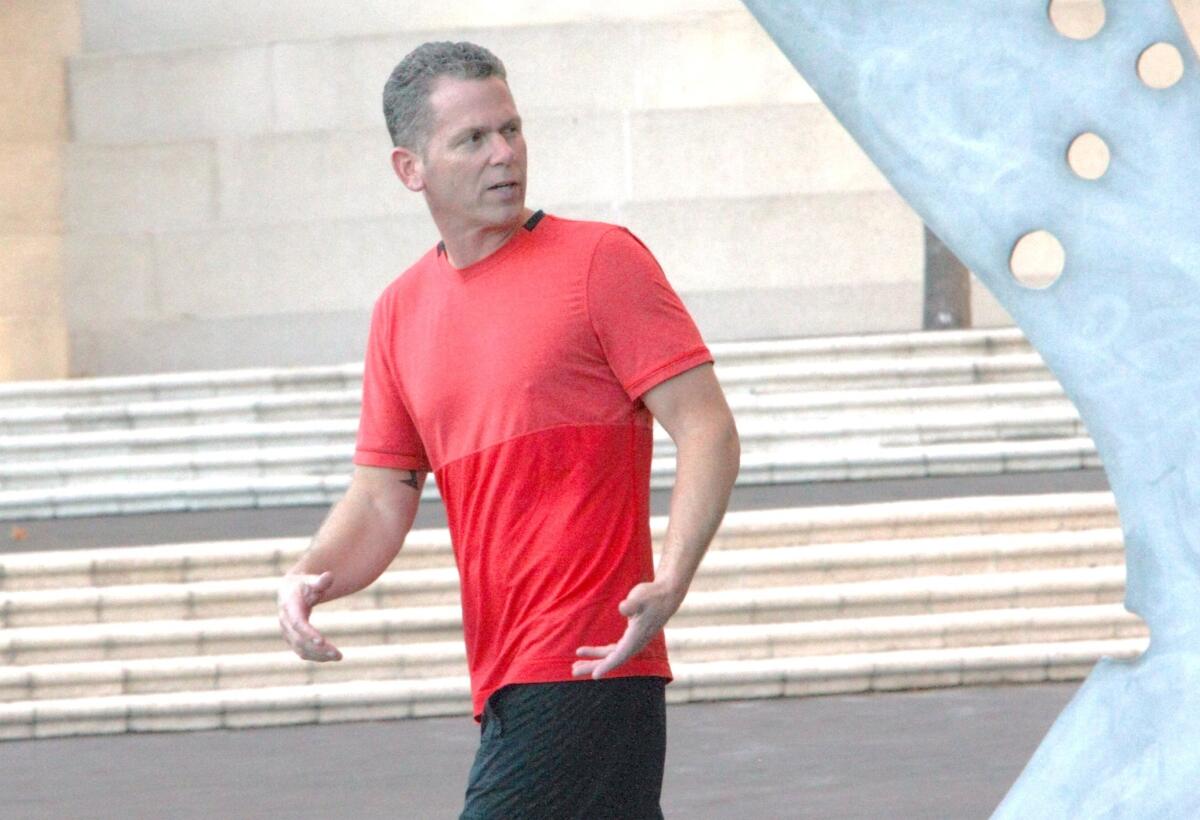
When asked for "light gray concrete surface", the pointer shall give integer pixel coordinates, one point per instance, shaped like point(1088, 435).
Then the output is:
point(936, 754)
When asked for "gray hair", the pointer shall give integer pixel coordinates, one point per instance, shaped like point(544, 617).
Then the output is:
point(406, 93)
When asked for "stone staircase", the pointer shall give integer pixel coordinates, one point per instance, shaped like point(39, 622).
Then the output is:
point(788, 602)
point(895, 405)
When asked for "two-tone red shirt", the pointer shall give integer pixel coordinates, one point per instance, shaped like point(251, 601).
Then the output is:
point(517, 381)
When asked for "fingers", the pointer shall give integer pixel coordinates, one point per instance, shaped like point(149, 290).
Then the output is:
point(597, 669)
point(646, 613)
point(608, 658)
point(297, 595)
point(321, 650)
point(297, 630)
point(582, 668)
point(625, 649)
point(307, 642)
point(595, 651)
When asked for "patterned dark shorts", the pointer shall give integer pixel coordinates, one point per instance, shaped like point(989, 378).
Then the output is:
point(587, 749)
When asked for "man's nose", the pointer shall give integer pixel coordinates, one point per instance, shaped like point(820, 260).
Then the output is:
point(502, 151)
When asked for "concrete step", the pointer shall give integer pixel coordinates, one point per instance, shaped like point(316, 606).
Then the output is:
point(968, 531)
point(41, 420)
point(33, 583)
point(901, 670)
point(911, 519)
point(200, 384)
point(948, 356)
point(761, 420)
point(971, 398)
point(326, 447)
point(715, 680)
point(174, 636)
point(905, 596)
point(221, 636)
point(320, 475)
point(722, 570)
point(18, 423)
point(761, 427)
point(866, 373)
point(124, 498)
point(862, 462)
point(767, 433)
point(939, 344)
point(686, 645)
point(251, 462)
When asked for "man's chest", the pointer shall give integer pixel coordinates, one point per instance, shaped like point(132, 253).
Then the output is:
point(494, 359)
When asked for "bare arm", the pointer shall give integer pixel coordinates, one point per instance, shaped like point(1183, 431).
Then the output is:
point(355, 544)
point(692, 409)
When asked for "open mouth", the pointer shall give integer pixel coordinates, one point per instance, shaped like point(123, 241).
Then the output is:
point(502, 186)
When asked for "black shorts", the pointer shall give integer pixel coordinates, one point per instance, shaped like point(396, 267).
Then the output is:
point(581, 748)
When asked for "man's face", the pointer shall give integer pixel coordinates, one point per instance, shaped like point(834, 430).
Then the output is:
point(472, 169)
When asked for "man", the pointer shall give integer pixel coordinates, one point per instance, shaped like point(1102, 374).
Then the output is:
point(523, 360)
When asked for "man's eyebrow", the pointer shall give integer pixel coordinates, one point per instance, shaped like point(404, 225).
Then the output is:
point(471, 129)
point(465, 131)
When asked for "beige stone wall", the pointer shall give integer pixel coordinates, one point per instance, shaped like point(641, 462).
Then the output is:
point(228, 202)
point(37, 36)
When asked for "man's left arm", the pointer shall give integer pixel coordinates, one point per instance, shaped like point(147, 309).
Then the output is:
point(692, 409)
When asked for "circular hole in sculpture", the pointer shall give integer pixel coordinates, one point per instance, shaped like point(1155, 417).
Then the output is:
point(1037, 259)
point(1160, 66)
point(1077, 19)
point(1088, 156)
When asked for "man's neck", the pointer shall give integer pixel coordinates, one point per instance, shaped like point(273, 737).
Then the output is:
point(465, 248)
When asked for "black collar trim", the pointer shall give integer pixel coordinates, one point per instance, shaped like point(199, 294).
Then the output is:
point(529, 225)
point(533, 220)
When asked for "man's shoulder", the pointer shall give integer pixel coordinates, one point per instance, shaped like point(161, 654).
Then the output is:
point(586, 232)
point(411, 277)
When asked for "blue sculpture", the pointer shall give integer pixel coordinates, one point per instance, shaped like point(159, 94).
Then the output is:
point(968, 107)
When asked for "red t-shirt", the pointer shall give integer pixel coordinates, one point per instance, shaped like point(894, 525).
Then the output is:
point(517, 381)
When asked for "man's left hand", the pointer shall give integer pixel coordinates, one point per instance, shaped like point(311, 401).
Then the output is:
point(648, 606)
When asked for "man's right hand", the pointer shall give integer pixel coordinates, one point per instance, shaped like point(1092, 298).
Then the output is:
point(298, 594)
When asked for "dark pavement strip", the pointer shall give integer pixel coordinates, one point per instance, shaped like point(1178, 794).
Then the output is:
point(163, 528)
point(948, 753)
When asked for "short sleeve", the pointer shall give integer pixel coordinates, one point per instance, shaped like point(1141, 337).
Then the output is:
point(646, 333)
point(387, 435)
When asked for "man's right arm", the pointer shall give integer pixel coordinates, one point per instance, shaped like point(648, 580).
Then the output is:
point(356, 543)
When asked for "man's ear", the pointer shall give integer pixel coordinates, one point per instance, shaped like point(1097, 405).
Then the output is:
point(409, 168)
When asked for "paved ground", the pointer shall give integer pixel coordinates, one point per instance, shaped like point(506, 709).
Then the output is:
point(161, 528)
point(950, 753)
